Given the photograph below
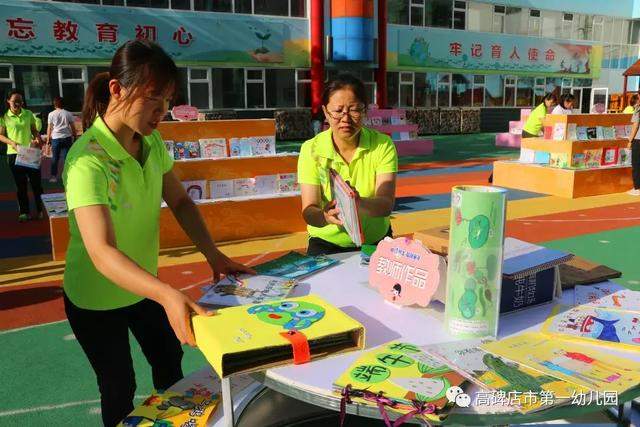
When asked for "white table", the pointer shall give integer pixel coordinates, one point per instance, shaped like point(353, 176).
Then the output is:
point(346, 286)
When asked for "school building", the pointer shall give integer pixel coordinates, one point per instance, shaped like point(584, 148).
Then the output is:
point(257, 56)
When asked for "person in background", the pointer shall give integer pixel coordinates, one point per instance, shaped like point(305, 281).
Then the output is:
point(363, 157)
point(565, 106)
point(633, 101)
point(533, 127)
point(18, 129)
point(635, 147)
point(115, 177)
point(60, 134)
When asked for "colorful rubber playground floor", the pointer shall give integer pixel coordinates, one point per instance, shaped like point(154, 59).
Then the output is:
point(46, 380)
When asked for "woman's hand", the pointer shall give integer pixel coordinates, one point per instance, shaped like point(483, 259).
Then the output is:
point(14, 145)
point(222, 264)
point(332, 213)
point(178, 307)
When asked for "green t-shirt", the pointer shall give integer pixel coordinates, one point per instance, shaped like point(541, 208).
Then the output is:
point(18, 128)
point(99, 171)
point(534, 122)
point(629, 109)
point(376, 154)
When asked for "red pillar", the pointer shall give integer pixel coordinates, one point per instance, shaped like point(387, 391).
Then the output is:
point(624, 93)
point(381, 72)
point(316, 16)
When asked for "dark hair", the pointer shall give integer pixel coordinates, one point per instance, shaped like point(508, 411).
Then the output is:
point(634, 99)
point(9, 95)
point(344, 81)
point(137, 65)
point(565, 98)
point(551, 97)
point(57, 102)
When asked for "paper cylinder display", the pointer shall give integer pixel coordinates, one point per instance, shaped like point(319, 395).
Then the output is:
point(405, 272)
point(474, 275)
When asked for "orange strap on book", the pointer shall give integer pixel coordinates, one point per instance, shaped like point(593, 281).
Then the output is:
point(300, 346)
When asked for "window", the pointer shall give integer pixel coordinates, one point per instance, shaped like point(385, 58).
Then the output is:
point(281, 88)
point(38, 83)
point(444, 89)
point(417, 13)
point(160, 4)
point(567, 26)
point(72, 83)
point(552, 23)
point(6, 80)
point(181, 96)
point(539, 90)
point(181, 4)
point(392, 89)
point(477, 98)
point(494, 89)
point(303, 88)
point(459, 15)
point(425, 89)
point(634, 32)
point(113, 2)
point(398, 11)
point(254, 87)
point(298, 8)
point(406, 90)
point(535, 23)
point(515, 21)
point(461, 90)
point(498, 19)
point(244, 6)
point(228, 87)
point(271, 7)
point(200, 88)
point(439, 13)
point(509, 91)
point(479, 17)
point(213, 5)
point(524, 94)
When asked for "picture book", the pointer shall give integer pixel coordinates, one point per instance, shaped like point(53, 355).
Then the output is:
point(607, 295)
point(347, 203)
point(592, 132)
point(266, 184)
point(377, 121)
point(244, 187)
point(547, 132)
point(542, 157)
point(593, 158)
point(527, 155)
point(191, 150)
point(246, 289)
point(559, 160)
point(405, 374)
point(629, 130)
point(582, 365)
point(581, 133)
point(495, 373)
point(234, 147)
point(609, 132)
point(191, 408)
point(179, 152)
point(294, 265)
point(246, 147)
point(603, 326)
point(288, 182)
point(197, 190)
point(599, 132)
point(213, 148)
point(559, 131)
point(624, 156)
point(523, 258)
point(250, 338)
point(621, 131)
point(55, 204)
point(28, 157)
point(609, 156)
point(263, 145)
point(577, 161)
point(579, 271)
point(221, 189)
point(572, 131)
point(169, 145)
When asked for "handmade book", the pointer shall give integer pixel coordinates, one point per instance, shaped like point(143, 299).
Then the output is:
point(246, 147)
point(294, 265)
point(581, 132)
point(221, 189)
point(287, 182)
point(347, 202)
point(609, 132)
point(608, 295)
point(572, 131)
point(497, 374)
point(527, 155)
point(191, 150)
point(621, 131)
point(593, 158)
point(253, 338)
point(179, 151)
point(244, 187)
point(263, 145)
point(246, 289)
point(169, 145)
point(629, 130)
point(609, 156)
point(592, 132)
point(547, 132)
point(405, 375)
point(213, 148)
point(624, 156)
point(28, 157)
point(559, 131)
point(581, 365)
point(234, 147)
point(601, 326)
point(577, 161)
point(542, 157)
point(559, 160)
point(197, 190)
point(192, 408)
point(599, 132)
point(266, 184)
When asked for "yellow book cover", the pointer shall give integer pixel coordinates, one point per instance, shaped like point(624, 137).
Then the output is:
point(581, 365)
point(256, 337)
point(612, 328)
point(404, 373)
point(190, 409)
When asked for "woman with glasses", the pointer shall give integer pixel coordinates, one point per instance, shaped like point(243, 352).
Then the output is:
point(18, 129)
point(363, 157)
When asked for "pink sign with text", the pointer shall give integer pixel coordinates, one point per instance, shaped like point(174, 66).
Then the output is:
point(184, 113)
point(405, 272)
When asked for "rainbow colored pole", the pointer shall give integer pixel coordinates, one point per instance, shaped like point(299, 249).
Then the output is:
point(352, 30)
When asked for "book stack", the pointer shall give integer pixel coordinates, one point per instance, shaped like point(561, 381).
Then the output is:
point(347, 202)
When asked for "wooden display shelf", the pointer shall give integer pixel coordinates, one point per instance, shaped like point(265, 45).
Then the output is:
point(588, 120)
point(193, 131)
point(235, 167)
point(562, 182)
point(571, 147)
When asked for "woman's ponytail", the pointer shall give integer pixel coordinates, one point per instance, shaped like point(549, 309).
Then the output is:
point(96, 99)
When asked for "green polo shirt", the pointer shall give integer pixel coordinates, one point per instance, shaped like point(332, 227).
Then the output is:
point(376, 154)
point(534, 122)
point(99, 171)
point(18, 128)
